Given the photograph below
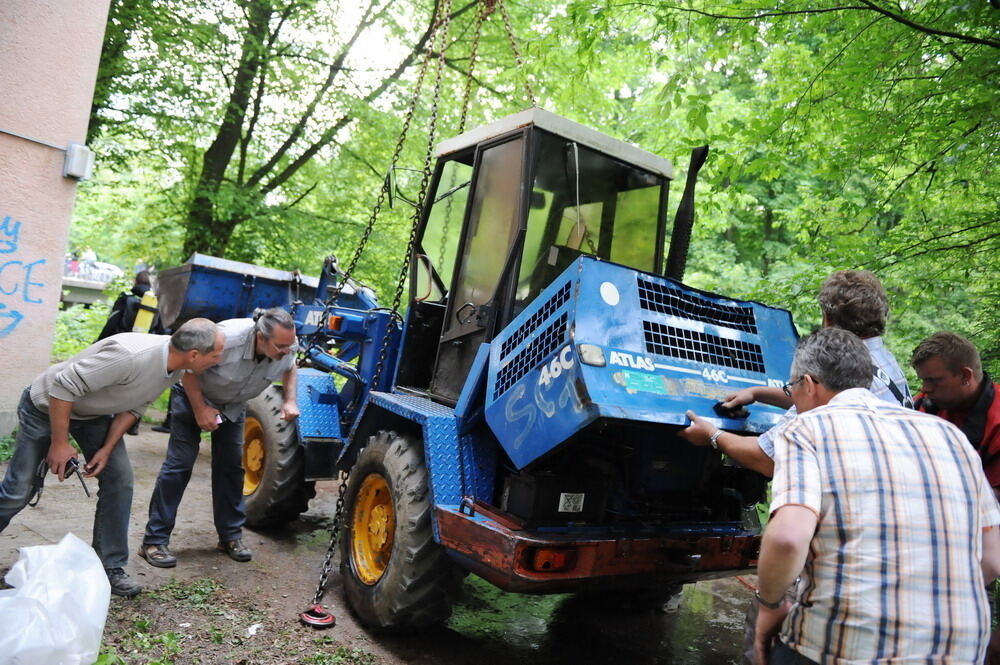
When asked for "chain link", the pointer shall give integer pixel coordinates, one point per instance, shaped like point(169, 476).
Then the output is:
point(338, 516)
point(407, 120)
point(440, 34)
point(517, 51)
point(477, 32)
point(424, 181)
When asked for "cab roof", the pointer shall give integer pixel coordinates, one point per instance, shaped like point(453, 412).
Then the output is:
point(565, 128)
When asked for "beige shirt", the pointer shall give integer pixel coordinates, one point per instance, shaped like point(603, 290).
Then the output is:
point(241, 374)
point(124, 372)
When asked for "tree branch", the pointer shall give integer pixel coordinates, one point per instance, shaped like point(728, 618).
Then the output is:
point(942, 236)
point(259, 96)
point(867, 6)
point(369, 17)
point(373, 94)
point(928, 30)
point(752, 17)
point(947, 248)
point(451, 65)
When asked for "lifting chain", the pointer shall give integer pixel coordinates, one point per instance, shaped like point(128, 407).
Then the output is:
point(338, 516)
point(516, 50)
point(477, 32)
point(315, 615)
point(407, 120)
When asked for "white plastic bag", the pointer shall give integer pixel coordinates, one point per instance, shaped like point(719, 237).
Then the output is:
point(56, 611)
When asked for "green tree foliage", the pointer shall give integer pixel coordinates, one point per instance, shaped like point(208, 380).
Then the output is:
point(844, 135)
point(850, 135)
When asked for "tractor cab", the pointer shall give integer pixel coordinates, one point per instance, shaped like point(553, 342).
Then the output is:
point(511, 205)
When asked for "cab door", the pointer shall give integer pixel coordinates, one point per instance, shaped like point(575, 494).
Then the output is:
point(490, 236)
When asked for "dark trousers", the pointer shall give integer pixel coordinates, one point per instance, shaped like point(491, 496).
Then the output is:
point(782, 654)
point(114, 483)
point(182, 451)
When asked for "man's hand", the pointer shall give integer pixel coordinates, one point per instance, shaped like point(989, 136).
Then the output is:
point(993, 648)
point(59, 454)
point(289, 411)
point(768, 625)
point(207, 418)
point(97, 462)
point(699, 431)
point(739, 398)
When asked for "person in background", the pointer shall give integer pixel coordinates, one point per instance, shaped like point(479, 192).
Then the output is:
point(955, 387)
point(257, 352)
point(882, 528)
point(119, 375)
point(122, 316)
point(853, 300)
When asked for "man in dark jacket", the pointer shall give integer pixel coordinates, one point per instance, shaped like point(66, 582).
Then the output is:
point(122, 316)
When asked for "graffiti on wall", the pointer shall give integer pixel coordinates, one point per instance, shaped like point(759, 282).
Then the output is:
point(18, 281)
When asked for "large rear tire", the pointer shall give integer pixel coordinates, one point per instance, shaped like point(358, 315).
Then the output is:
point(395, 575)
point(274, 488)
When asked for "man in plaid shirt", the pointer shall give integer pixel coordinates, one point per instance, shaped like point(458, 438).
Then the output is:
point(885, 516)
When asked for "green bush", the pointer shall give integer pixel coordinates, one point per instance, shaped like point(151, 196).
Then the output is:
point(7, 446)
point(76, 328)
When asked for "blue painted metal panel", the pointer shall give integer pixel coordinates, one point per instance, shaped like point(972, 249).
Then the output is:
point(318, 404)
point(667, 348)
point(220, 289)
point(458, 465)
point(440, 440)
point(469, 407)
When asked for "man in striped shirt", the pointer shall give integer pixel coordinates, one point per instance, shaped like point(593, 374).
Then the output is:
point(883, 514)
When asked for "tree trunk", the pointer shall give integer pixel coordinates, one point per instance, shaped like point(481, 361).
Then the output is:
point(206, 232)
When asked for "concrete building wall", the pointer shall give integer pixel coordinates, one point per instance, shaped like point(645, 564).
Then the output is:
point(48, 64)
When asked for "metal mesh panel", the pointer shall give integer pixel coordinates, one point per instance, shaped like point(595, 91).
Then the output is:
point(655, 297)
point(530, 356)
point(702, 347)
point(544, 312)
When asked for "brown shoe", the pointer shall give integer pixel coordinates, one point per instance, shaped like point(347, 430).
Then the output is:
point(157, 555)
point(235, 550)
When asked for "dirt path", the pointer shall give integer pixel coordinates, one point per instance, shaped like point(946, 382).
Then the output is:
point(214, 611)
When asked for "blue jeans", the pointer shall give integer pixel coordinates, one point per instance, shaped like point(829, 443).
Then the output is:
point(182, 451)
point(114, 484)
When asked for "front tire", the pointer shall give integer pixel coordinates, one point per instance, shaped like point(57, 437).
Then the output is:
point(274, 488)
point(395, 575)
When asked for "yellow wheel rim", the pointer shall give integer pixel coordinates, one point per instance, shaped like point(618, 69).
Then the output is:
point(253, 455)
point(372, 528)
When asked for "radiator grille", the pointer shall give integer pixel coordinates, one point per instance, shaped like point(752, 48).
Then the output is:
point(702, 347)
point(655, 297)
point(531, 355)
point(545, 311)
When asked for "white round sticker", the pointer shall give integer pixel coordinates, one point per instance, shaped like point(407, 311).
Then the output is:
point(609, 292)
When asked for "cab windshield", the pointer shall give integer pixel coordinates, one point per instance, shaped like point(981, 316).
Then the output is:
point(585, 202)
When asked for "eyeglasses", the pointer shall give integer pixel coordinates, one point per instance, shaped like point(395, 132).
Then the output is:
point(787, 388)
point(283, 348)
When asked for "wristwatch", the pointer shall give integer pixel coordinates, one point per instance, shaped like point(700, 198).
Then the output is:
point(767, 604)
point(714, 439)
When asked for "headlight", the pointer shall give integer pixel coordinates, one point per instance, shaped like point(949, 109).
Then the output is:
point(591, 354)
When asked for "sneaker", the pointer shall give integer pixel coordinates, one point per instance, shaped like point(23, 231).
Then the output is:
point(235, 549)
point(134, 429)
point(121, 584)
point(157, 555)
